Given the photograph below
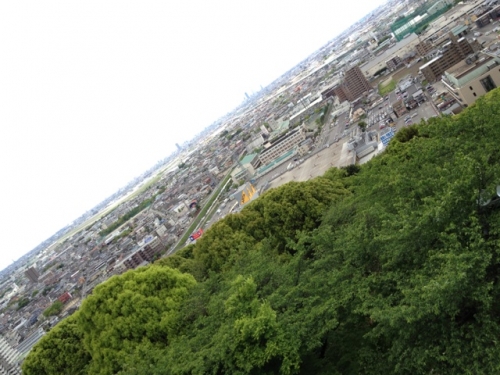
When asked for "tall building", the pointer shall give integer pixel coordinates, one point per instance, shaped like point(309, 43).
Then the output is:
point(354, 85)
point(8, 359)
point(32, 274)
point(424, 47)
point(452, 53)
point(179, 148)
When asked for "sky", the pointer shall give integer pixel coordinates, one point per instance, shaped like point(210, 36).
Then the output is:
point(93, 93)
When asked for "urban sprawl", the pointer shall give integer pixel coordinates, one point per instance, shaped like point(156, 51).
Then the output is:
point(405, 62)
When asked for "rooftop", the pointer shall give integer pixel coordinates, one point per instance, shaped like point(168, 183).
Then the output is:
point(470, 68)
point(247, 159)
point(389, 52)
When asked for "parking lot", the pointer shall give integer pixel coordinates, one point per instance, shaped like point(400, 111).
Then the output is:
point(488, 35)
point(424, 112)
point(314, 166)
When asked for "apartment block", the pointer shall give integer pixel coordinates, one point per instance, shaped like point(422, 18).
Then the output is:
point(355, 84)
point(452, 53)
point(32, 274)
point(424, 47)
point(148, 249)
point(8, 358)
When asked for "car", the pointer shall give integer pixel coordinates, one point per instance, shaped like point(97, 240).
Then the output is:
point(414, 115)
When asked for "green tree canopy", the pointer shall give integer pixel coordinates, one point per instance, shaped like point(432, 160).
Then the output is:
point(388, 268)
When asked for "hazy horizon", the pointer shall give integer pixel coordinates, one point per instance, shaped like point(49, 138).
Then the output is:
point(96, 93)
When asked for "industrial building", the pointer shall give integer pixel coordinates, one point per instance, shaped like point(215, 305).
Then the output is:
point(402, 48)
point(472, 78)
point(451, 53)
point(417, 20)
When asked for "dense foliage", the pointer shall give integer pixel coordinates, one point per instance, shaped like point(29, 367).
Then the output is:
point(54, 309)
point(391, 268)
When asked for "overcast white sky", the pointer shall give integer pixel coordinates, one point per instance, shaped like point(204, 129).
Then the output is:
point(92, 93)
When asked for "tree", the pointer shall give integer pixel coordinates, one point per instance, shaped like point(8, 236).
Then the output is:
point(54, 309)
point(362, 125)
point(61, 351)
point(23, 302)
point(391, 268)
point(136, 308)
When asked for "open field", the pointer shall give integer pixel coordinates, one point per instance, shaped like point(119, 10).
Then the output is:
point(386, 87)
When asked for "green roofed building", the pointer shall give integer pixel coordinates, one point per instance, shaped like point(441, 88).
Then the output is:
point(420, 18)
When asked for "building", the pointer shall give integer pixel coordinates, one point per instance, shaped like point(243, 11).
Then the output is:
point(353, 86)
point(32, 274)
point(29, 342)
point(399, 108)
point(452, 53)
point(394, 63)
point(8, 358)
point(245, 194)
point(374, 66)
point(179, 148)
point(239, 173)
point(65, 297)
point(149, 248)
point(304, 147)
point(485, 19)
point(249, 162)
point(416, 21)
point(340, 93)
point(255, 143)
point(281, 145)
point(472, 78)
point(424, 47)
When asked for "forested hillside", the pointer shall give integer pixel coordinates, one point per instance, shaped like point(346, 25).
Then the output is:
point(391, 268)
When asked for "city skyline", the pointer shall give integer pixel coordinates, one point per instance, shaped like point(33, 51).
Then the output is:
point(96, 93)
